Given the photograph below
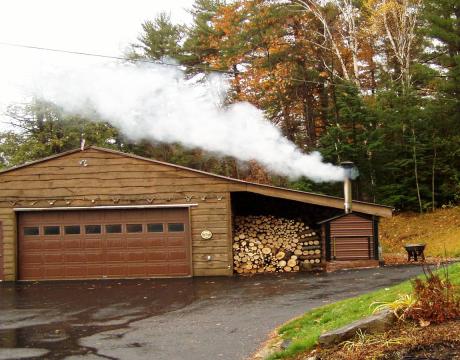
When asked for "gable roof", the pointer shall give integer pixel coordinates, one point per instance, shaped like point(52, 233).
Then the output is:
point(338, 217)
point(241, 185)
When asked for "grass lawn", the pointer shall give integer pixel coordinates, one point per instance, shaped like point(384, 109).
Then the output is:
point(305, 330)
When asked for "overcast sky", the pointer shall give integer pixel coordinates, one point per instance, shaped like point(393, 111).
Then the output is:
point(95, 26)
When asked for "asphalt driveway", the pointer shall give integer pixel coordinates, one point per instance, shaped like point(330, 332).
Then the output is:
point(173, 319)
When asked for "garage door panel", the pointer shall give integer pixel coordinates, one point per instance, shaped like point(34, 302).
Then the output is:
point(135, 243)
point(104, 243)
point(116, 243)
point(136, 270)
point(94, 257)
point(34, 244)
point(180, 242)
point(75, 272)
point(93, 243)
point(115, 256)
point(32, 273)
point(177, 255)
point(72, 244)
point(115, 270)
point(153, 269)
point(157, 243)
point(157, 256)
point(95, 270)
point(75, 258)
point(136, 256)
point(32, 258)
point(53, 258)
point(53, 272)
point(179, 269)
point(51, 244)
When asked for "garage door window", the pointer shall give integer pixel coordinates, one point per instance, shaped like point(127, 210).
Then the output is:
point(176, 227)
point(72, 229)
point(31, 231)
point(92, 229)
point(134, 228)
point(52, 230)
point(155, 227)
point(113, 229)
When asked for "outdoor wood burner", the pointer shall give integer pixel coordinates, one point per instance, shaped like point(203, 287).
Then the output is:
point(414, 251)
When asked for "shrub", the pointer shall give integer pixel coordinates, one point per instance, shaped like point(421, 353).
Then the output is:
point(437, 300)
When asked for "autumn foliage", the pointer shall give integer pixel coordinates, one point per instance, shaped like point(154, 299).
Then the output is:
point(437, 299)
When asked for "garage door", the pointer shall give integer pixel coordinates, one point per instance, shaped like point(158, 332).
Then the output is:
point(95, 244)
point(352, 248)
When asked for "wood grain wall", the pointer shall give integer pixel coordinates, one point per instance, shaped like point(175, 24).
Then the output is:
point(112, 179)
point(1, 251)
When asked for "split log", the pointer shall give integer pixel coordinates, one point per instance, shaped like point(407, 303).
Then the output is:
point(269, 244)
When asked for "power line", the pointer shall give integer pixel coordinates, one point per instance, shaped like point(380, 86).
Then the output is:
point(156, 62)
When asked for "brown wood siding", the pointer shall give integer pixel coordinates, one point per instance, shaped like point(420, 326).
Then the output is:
point(113, 179)
point(8, 220)
point(352, 237)
point(1, 252)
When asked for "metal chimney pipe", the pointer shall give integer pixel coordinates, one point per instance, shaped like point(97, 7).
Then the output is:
point(348, 166)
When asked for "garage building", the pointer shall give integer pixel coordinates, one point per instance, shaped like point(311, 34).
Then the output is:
point(98, 213)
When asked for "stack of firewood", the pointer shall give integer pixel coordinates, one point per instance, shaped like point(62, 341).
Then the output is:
point(273, 244)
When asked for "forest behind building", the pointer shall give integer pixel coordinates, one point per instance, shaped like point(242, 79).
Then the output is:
point(376, 82)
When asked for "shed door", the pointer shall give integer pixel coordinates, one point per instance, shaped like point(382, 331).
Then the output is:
point(352, 238)
point(94, 244)
point(351, 248)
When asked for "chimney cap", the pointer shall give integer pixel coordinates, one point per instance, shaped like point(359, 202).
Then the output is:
point(347, 164)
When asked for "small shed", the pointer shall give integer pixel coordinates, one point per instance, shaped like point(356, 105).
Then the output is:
point(352, 236)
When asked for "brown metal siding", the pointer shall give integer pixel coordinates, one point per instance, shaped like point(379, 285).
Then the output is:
point(92, 256)
point(352, 238)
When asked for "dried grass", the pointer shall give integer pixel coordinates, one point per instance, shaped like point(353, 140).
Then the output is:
point(439, 230)
point(396, 341)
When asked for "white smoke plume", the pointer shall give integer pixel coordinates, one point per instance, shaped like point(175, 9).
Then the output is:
point(154, 102)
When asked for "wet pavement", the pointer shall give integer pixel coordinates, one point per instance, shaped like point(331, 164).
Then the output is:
point(196, 318)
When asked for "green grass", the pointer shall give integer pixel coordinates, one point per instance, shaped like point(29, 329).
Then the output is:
point(305, 330)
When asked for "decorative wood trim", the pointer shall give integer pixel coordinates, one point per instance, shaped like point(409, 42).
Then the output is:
point(108, 207)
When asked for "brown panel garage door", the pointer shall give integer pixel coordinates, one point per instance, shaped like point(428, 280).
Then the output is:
point(95, 244)
point(352, 248)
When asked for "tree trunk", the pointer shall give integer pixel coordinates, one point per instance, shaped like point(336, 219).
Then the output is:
point(414, 154)
point(432, 178)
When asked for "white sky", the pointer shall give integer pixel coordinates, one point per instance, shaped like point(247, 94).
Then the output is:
point(95, 26)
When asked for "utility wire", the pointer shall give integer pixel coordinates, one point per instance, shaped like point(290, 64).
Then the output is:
point(156, 62)
point(109, 57)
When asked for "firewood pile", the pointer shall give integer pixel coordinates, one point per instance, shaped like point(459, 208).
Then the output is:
point(273, 244)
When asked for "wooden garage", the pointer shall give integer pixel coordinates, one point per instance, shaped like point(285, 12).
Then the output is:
point(98, 213)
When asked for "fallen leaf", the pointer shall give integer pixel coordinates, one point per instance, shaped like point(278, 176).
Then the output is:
point(424, 323)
